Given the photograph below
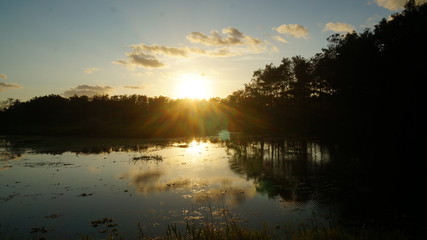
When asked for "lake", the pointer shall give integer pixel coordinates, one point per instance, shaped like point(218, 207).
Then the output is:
point(74, 187)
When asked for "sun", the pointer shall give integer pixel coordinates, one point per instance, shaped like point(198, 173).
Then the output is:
point(193, 85)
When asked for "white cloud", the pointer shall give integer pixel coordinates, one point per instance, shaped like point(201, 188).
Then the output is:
point(338, 27)
point(4, 86)
point(233, 37)
point(295, 30)
point(391, 4)
point(3, 76)
point(133, 87)
point(235, 43)
point(141, 59)
point(280, 39)
point(171, 51)
point(371, 22)
point(91, 70)
point(394, 5)
point(222, 52)
point(88, 90)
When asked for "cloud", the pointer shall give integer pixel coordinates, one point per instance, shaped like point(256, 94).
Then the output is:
point(149, 56)
point(3, 76)
point(91, 70)
point(394, 5)
point(295, 30)
point(145, 60)
point(235, 43)
point(140, 59)
point(221, 52)
point(4, 86)
point(338, 27)
point(88, 91)
point(233, 37)
point(133, 87)
point(280, 39)
point(171, 51)
point(179, 52)
point(371, 21)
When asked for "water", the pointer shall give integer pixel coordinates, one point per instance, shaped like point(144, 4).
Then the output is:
point(71, 187)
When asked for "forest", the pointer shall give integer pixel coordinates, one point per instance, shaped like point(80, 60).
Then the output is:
point(366, 85)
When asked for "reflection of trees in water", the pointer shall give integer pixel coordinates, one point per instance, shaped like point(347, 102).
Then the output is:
point(8, 152)
point(287, 168)
point(16, 146)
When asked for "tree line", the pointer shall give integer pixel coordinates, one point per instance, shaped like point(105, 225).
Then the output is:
point(362, 85)
point(114, 116)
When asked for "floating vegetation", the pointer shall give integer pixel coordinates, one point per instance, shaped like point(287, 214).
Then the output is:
point(47, 164)
point(95, 223)
point(10, 197)
point(85, 194)
point(156, 158)
point(39, 230)
point(108, 224)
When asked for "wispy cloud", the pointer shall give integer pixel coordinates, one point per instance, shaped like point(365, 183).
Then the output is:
point(394, 5)
point(371, 21)
point(183, 52)
point(88, 90)
point(140, 59)
point(280, 39)
point(170, 51)
point(91, 70)
point(233, 37)
point(234, 43)
point(295, 30)
point(4, 86)
point(134, 87)
point(338, 27)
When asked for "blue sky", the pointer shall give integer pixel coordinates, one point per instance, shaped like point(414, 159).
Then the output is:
point(171, 48)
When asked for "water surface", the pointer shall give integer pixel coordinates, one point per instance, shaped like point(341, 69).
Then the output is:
point(68, 187)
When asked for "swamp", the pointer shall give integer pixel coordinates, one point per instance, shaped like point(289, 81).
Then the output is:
point(68, 188)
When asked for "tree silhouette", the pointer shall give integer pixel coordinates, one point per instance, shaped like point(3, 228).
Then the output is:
point(361, 85)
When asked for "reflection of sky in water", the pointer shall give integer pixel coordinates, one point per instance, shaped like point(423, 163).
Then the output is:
point(79, 188)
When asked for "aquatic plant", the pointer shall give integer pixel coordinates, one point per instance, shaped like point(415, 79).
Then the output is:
point(156, 158)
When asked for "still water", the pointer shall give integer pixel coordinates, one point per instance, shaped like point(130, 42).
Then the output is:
point(71, 187)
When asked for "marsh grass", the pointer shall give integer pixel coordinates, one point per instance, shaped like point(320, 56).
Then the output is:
point(228, 227)
point(214, 231)
point(231, 230)
point(223, 225)
point(155, 158)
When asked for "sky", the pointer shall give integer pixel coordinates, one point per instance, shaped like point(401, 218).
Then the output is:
point(172, 48)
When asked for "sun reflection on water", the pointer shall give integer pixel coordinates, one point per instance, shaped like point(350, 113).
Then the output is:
point(196, 147)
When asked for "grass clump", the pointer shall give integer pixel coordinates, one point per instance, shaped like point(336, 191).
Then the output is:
point(218, 225)
point(214, 232)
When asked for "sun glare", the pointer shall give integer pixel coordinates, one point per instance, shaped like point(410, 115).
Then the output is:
point(191, 85)
point(195, 147)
